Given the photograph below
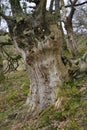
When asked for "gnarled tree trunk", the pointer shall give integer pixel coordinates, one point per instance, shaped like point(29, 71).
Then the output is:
point(46, 70)
point(38, 38)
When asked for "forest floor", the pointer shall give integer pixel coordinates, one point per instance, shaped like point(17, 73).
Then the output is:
point(72, 114)
point(13, 93)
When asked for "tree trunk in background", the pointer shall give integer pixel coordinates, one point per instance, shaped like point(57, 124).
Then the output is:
point(64, 42)
point(1, 68)
point(46, 71)
point(72, 43)
point(69, 27)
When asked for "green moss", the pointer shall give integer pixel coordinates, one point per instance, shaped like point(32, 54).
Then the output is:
point(44, 118)
point(4, 39)
point(73, 111)
point(13, 95)
point(72, 125)
point(52, 128)
point(27, 127)
point(84, 121)
point(44, 121)
point(58, 115)
point(74, 106)
point(2, 77)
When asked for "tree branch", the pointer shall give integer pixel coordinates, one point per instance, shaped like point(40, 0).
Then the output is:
point(15, 7)
point(77, 4)
point(40, 12)
point(72, 9)
point(57, 9)
point(51, 6)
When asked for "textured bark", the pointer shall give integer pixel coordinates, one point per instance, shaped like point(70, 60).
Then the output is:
point(1, 68)
point(38, 38)
point(72, 43)
point(69, 27)
point(15, 7)
point(46, 71)
point(51, 6)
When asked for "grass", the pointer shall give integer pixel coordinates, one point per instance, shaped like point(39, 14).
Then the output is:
point(71, 116)
point(13, 94)
point(73, 113)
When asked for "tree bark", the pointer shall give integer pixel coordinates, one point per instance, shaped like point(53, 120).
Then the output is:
point(2, 77)
point(38, 38)
point(46, 71)
point(72, 43)
point(68, 26)
point(15, 7)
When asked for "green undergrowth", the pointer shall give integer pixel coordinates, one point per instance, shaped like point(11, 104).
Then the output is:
point(72, 114)
point(81, 42)
point(13, 94)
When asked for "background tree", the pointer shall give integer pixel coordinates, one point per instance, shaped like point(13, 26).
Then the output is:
point(80, 19)
point(69, 28)
point(1, 68)
point(68, 22)
point(65, 13)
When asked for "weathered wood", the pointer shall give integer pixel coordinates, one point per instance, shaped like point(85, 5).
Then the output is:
point(45, 68)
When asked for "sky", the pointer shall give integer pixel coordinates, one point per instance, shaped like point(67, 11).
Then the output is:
point(3, 24)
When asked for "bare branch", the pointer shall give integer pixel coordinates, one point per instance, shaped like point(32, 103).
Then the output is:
point(15, 7)
point(72, 9)
point(77, 4)
point(51, 6)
